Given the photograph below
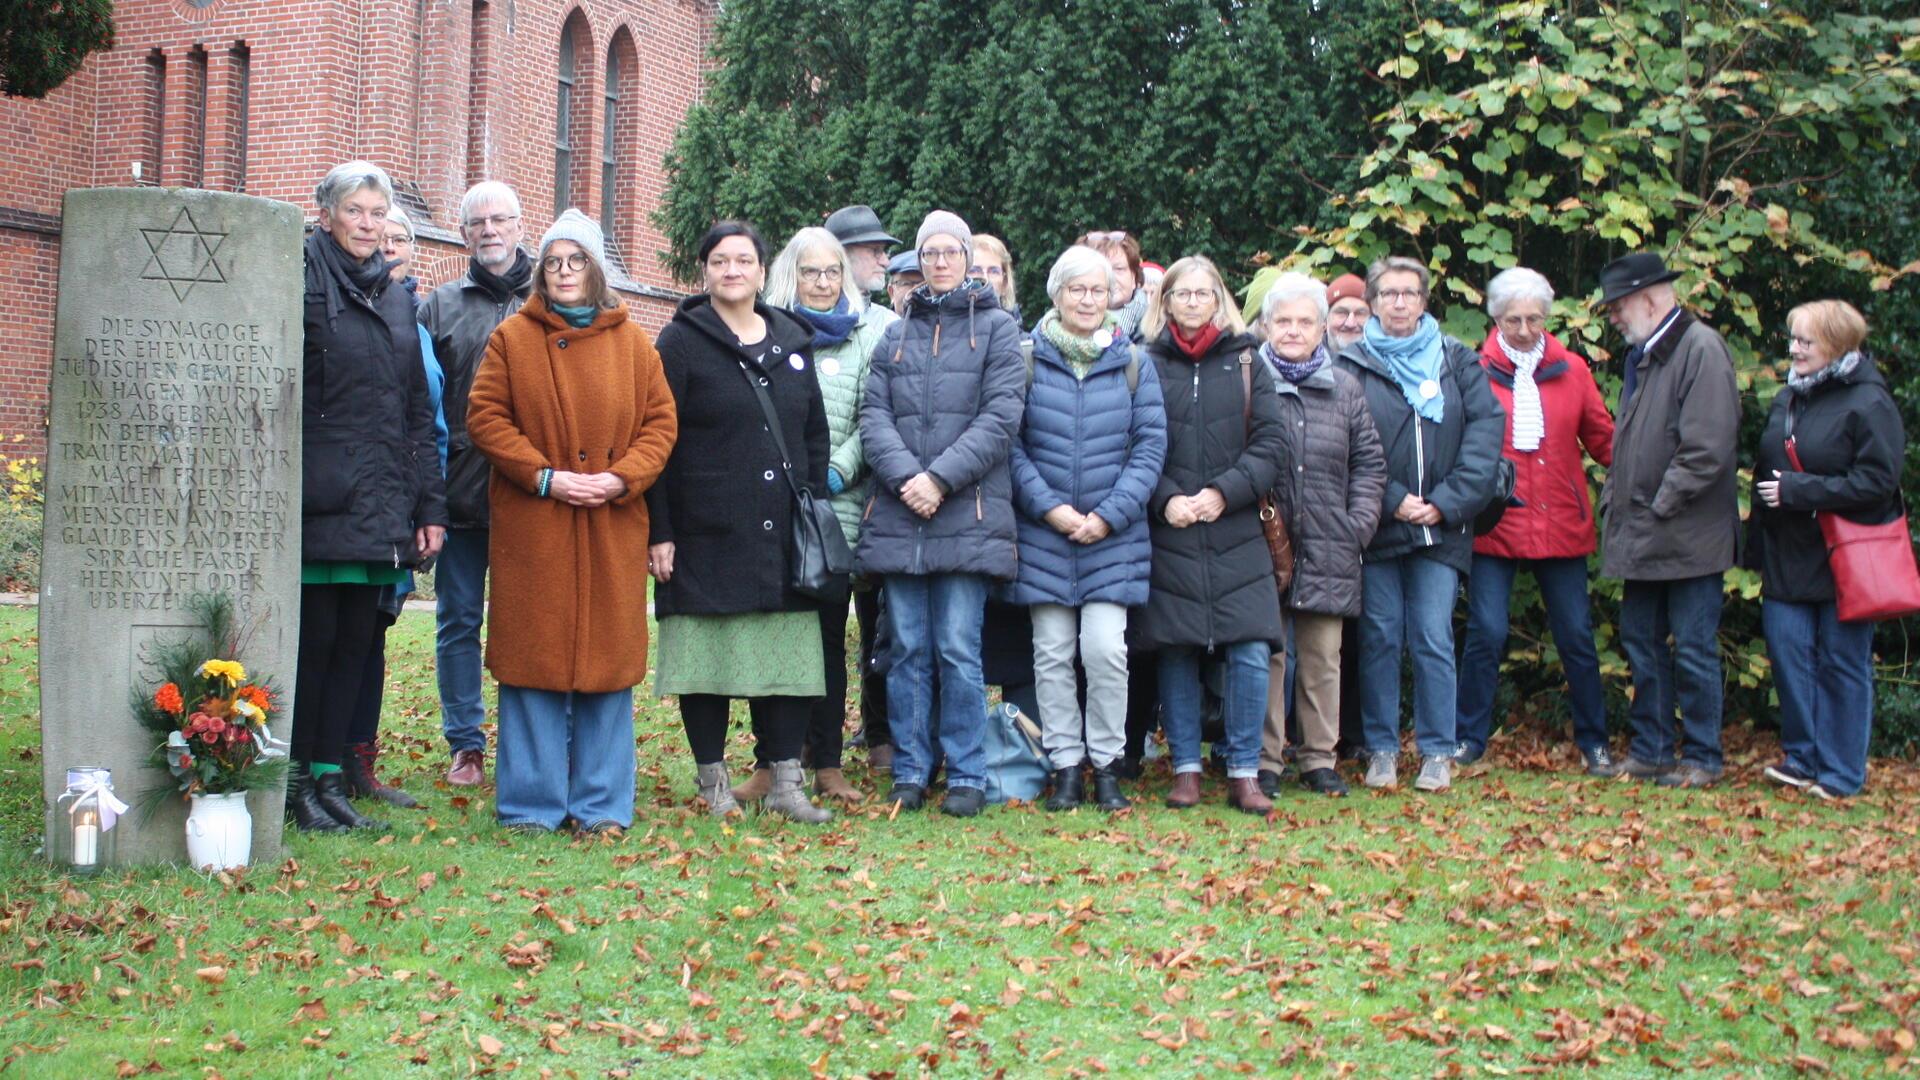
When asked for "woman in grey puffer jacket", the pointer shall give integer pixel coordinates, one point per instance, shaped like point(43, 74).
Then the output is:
point(942, 407)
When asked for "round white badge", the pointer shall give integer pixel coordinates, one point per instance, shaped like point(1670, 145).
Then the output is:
point(797, 362)
point(1429, 388)
point(1103, 337)
point(830, 367)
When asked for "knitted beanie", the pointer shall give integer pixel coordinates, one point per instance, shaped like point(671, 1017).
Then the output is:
point(579, 228)
point(948, 223)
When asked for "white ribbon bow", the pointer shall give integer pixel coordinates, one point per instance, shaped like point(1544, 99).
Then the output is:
point(110, 806)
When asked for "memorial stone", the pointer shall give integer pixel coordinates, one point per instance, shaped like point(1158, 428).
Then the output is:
point(173, 469)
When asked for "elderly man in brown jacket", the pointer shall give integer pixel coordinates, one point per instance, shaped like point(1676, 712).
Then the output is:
point(1671, 517)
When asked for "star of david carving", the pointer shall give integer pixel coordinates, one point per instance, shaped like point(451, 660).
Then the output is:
point(183, 255)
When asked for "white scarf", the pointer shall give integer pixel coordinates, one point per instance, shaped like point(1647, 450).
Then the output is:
point(1529, 421)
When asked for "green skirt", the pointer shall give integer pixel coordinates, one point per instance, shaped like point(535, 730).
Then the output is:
point(759, 654)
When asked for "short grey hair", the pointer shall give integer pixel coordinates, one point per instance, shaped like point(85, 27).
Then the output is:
point(1396, 264)
point(487, 191)
point(399, 217)
point(1292, 286)
point(783, 277)
point(1518, 283)
point(345, 179)
point(1078, 261)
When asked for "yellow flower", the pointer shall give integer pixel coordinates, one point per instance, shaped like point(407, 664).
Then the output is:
point(248, 709)
point(229, 670)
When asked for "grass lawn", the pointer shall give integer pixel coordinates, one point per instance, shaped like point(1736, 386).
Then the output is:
point(1528, 922)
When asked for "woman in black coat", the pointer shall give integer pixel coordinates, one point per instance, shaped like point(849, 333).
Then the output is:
point(721, 522)
point(372, 501)
point(1841, 423)
point(1212, 580)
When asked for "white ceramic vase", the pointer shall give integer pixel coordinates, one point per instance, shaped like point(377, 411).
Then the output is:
point(219, 832)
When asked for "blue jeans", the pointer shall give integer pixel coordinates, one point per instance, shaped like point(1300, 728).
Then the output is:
point(1244, 706)
point(1563, 586)
point(1407, 606)
point(1686, 673)
point(564, 755)
point(460, 591)
point(936, 626)
point(1823, 671)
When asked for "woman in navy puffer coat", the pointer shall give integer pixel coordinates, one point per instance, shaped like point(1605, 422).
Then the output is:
point(1089, 453)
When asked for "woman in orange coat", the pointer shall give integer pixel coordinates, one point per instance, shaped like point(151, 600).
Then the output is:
point(573, 411)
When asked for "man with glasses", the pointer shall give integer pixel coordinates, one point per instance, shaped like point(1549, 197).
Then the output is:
point(460, 316)
point(1668, 513)
point(858, 229)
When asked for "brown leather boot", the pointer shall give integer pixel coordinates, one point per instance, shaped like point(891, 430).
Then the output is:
point(1185, 792)
point(756, 787)
point(1243, 793)
point(832, 784)
point(363, 782)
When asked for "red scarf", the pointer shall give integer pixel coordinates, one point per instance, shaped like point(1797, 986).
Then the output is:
point(1195, 347)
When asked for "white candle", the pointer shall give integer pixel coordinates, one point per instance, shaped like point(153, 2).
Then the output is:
point(86, 838)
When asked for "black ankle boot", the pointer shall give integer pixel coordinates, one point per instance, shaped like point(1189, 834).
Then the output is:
point(1066, 789)
point(303, 809)
point(1106, 790)
point(330, 791)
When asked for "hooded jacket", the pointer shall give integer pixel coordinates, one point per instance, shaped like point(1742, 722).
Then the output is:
point(723, 501)
point(1450, 464)
point(1213, 581)
point(1555, 518)
point(1329, 493)
point(1096, 445)
point(1852, 444)
point(943, 397)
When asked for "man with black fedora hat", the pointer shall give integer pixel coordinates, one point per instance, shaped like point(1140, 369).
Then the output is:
point(1670, 518)
point(858, 229)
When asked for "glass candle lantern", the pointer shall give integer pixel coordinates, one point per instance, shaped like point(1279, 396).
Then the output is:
point(81, 836)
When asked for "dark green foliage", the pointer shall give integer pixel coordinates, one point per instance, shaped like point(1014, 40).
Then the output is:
point(43, 42)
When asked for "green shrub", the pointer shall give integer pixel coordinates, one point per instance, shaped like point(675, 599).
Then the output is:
point(21, 499)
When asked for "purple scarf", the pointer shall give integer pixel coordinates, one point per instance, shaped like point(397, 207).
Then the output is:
point(1292, 372)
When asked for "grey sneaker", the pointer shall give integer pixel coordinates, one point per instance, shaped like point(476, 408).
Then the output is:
point(1436, 774)
point(1637, 769)
point(1688, 776)
point(1383, 771)
point(1601, 762)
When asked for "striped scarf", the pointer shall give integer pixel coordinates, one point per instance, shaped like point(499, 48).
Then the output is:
point(1529, 420)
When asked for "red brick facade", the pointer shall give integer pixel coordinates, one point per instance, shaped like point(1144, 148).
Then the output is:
point(263, 96)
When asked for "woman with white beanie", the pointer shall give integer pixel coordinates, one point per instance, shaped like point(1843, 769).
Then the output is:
point(572, 409)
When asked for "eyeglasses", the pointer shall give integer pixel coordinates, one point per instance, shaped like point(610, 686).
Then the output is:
point(1401, 296)
point(941, 255)
point(1190, 296)
point(498, 221)
point(987, 272)
point(817, 274)
point(1805, 343)
point(575, 262)
point(1516, 322)
point(1083, 292)
point(1095, 239)
point(399, 238)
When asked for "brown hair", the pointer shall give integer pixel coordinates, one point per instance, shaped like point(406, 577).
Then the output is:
point(1837, 325)
point(1106, 243)
point(598, 291)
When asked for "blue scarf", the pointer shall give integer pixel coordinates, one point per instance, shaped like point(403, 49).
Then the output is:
point(829, 327)
point(1413, 360)
point(577, 317)
point(1292, 372)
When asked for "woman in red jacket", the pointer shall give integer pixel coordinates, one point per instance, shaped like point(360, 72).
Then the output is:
point(1553, 411)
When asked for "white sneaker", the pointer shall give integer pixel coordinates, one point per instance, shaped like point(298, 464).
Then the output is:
point(1383, 771)
point(1436, 774)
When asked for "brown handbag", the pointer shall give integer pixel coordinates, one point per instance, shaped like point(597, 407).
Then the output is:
point(1272, 525)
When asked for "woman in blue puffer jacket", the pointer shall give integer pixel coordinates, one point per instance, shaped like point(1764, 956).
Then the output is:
point(1092, 441)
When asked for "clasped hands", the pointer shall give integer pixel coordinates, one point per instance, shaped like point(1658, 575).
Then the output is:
point(585, 489)
point(922, 495)
point(1076, 526)
point(1184, 510)
point(1415, 510)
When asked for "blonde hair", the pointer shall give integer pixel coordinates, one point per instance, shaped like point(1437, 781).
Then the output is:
point(1226, 314)
point(992, 245)
point(1837, 325)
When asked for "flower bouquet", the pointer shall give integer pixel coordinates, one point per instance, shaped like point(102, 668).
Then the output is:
point(212, 721)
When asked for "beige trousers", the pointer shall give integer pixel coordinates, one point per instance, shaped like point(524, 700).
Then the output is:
point(1316, 694)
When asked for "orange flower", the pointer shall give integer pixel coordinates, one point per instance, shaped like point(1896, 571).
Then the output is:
point(258, 695)
point(168, 698)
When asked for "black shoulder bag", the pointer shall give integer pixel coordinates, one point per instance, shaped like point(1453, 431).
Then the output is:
point(821, 559)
